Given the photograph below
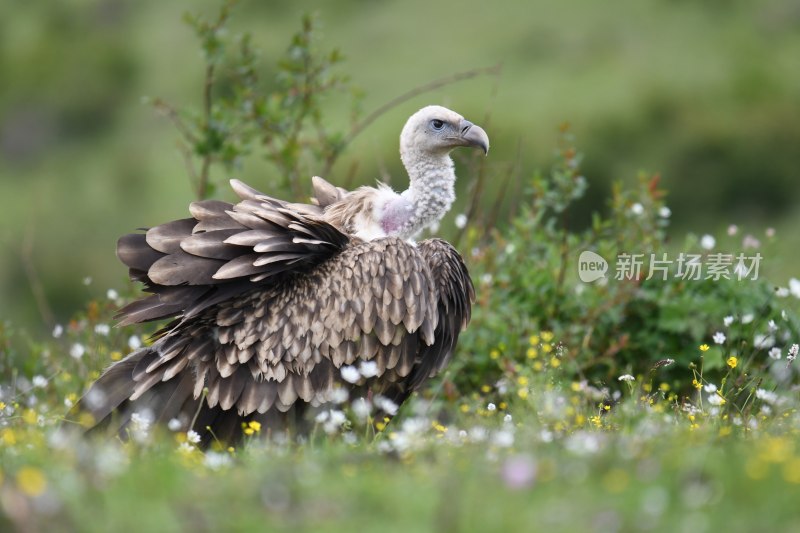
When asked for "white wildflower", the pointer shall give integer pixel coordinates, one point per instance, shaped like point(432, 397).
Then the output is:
point(750, 242)
point(503, 438)
point(637, 209)
point(583, 443)
point(111, 294)
point(782, 292)
point(77, 350)
point(102, 329)
point(87, 280)
point(716, 399)
point(39, 382)
point(665, 212)
point(361, 408)
point(185, 447)
point(140, 425)
point(350, 438)
point(336, 420)
point(350, 374)
point(626, 377)
point(174, 424)
point(775, 353)
point(134, 342)
point(322, 417)
point(763, 341)
point(491, 407)
point(192, 436)
point(766, 396)
point(478, 434)
point(794, 287)
point(486, 279)
point(507, 419)
point(719, 337)
point(58, 331)
point(217, 460)
point(708, 242)
point(368, 369)
point(710, 388)
point(770, 232)
point(733, 229)
point(772, 325)
point(68, 403)
point(747, 318)
point(510, 248)
point(461, 221)
point(728, 320)
point(792, 353)
point(338, 395)
point(386, 405)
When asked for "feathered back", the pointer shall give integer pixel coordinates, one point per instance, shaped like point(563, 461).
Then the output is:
point(270, 302)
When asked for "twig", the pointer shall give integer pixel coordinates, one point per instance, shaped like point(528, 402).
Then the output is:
point(170, 112)
point(358, 127)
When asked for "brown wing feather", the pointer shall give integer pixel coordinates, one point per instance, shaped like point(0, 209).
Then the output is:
point(274, 346)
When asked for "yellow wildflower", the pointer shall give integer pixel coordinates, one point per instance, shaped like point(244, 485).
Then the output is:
point(251, 427)
point(732, 361)
point(704, 347)
point(533, 353)
point(522, 380)
point(537, 366)
point(547, 348)
point(494, 354)
point(9, 437)
point(486, 389)
point(555, 362)
point(547, 336)
point(464, 408)
point(31, 481)
point(522, 393)
point(116, 355)
point(29, 416)
point(696, 384)
point(664, 387)
point(533, 340)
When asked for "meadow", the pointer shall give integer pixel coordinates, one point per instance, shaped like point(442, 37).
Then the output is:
point(643, 400)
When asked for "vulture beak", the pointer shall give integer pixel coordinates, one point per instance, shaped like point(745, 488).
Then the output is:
point(472, 135)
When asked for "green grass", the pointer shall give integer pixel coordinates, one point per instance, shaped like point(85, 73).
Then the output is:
point(643, 469)
point(537, 450)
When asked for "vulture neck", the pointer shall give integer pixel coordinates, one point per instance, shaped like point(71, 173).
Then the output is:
point(432, 187)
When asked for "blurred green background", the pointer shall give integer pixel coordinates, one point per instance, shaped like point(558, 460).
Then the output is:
point(705, 93)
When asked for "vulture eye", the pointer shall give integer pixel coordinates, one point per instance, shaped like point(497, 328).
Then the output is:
point(437, 124)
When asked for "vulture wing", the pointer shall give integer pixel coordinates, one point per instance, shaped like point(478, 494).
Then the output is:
point(270, 302)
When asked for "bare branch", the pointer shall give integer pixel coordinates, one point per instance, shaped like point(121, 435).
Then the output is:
point(357, 128)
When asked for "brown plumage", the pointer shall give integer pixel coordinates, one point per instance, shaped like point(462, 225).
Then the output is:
point(269, 300)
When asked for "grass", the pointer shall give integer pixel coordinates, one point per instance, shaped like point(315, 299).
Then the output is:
point(536, 450)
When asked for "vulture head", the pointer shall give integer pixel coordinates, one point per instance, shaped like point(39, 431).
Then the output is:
point(435, 130)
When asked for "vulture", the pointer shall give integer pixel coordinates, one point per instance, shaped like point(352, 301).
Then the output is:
point(275, 307)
